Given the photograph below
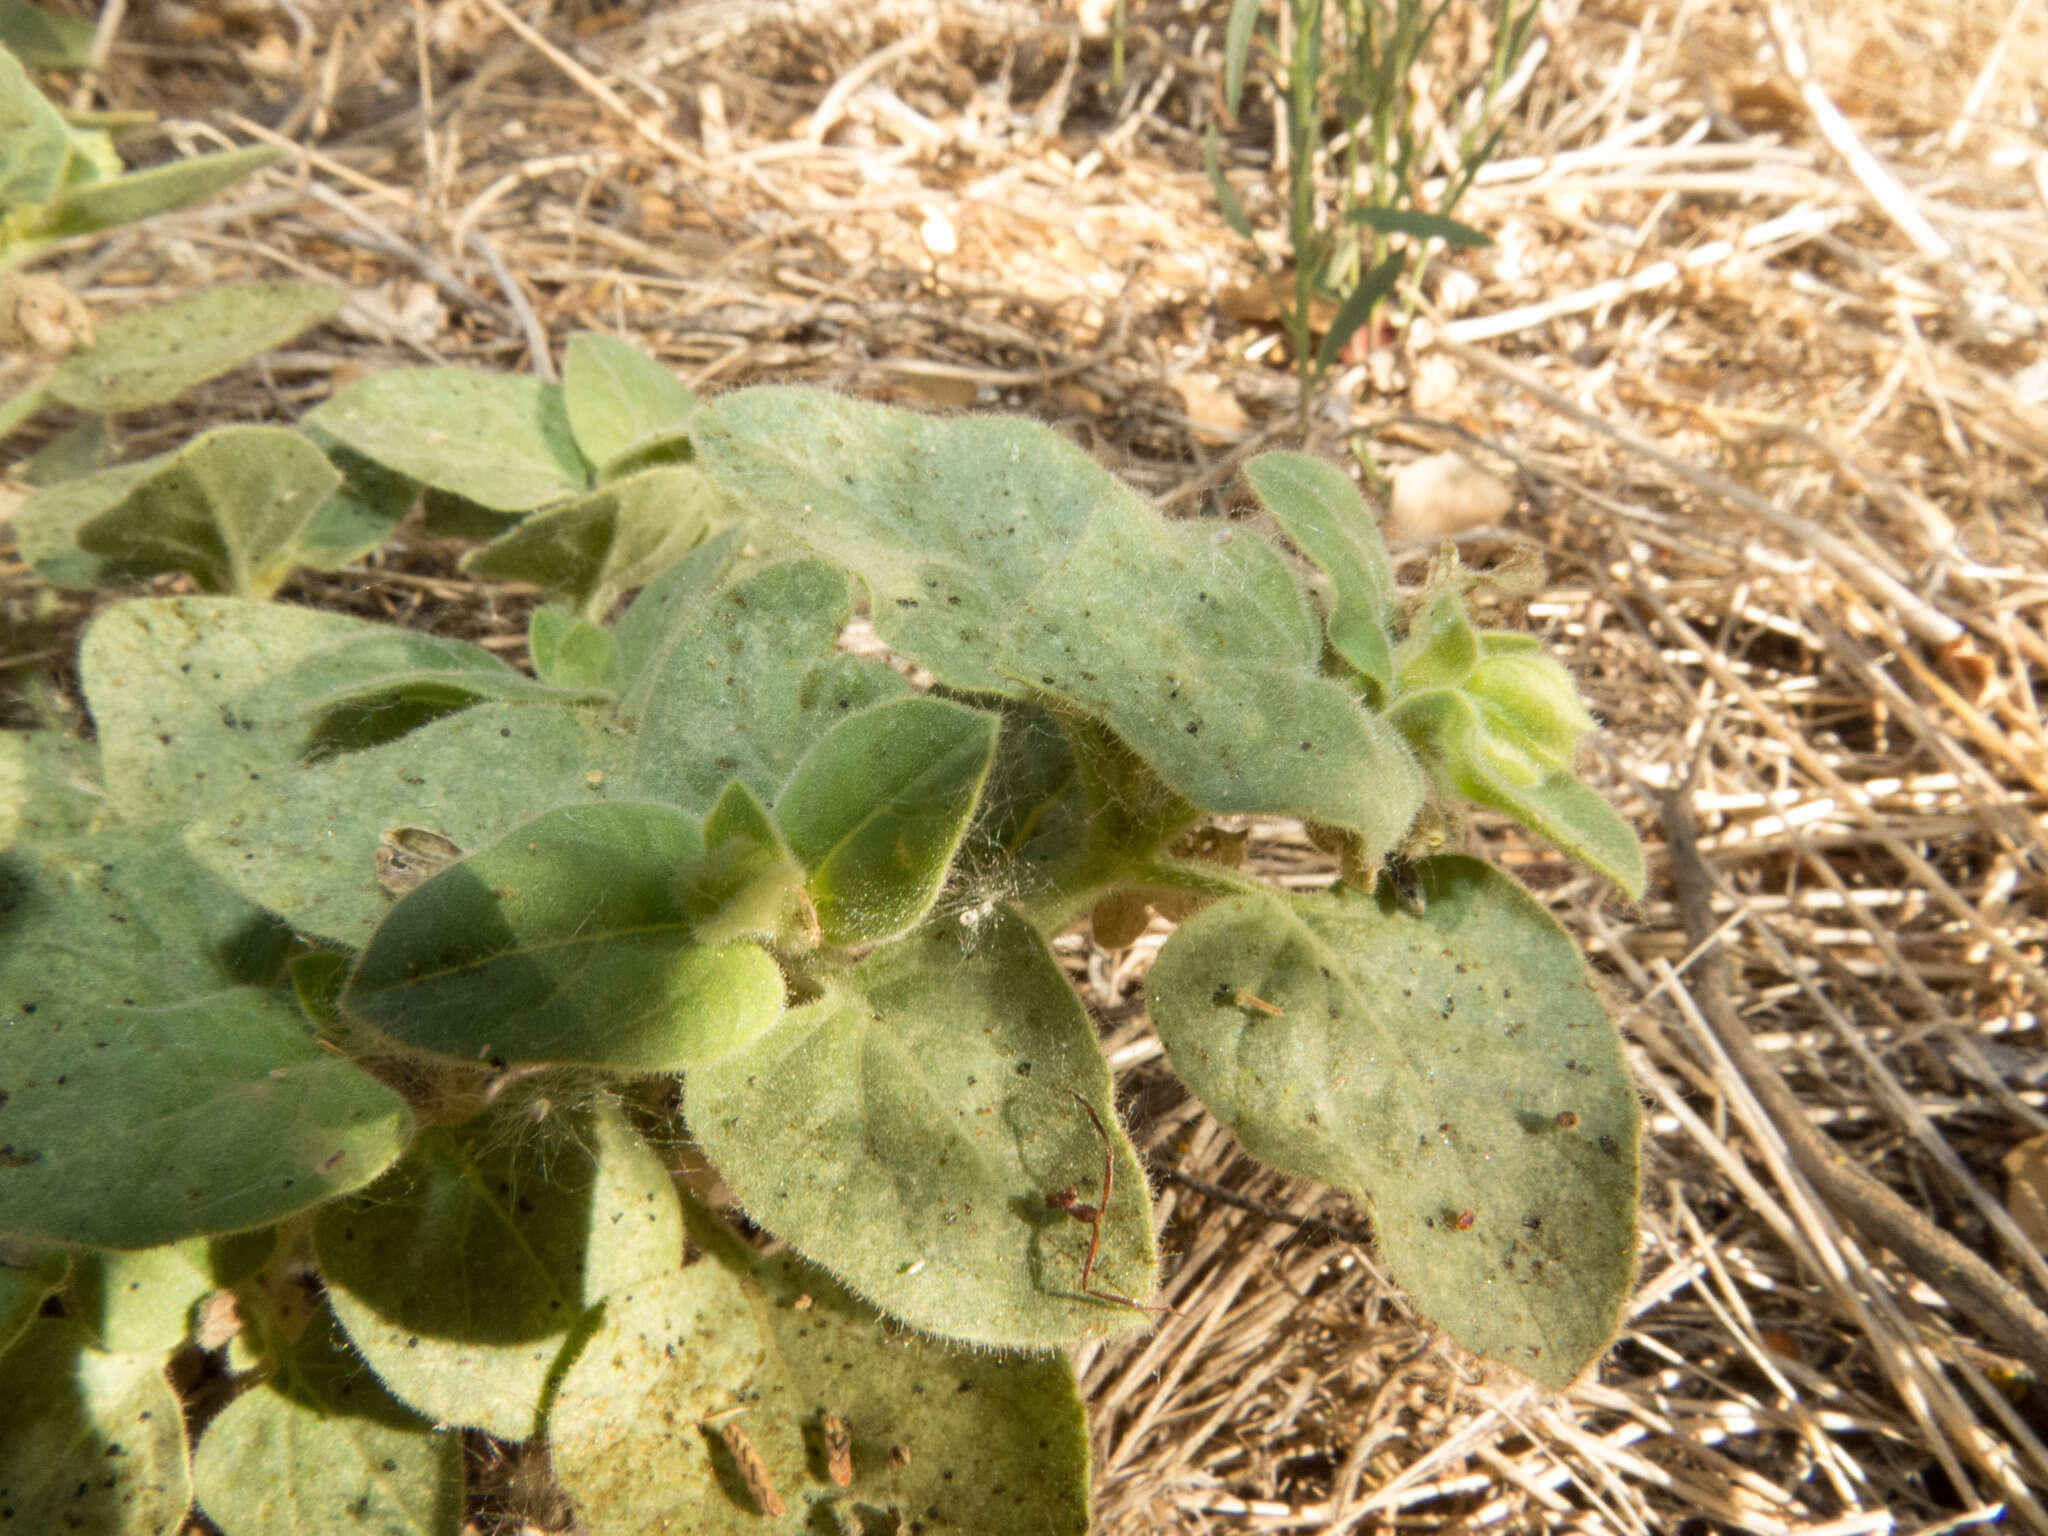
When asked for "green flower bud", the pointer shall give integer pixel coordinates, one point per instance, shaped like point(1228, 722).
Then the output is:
point(1530, 708)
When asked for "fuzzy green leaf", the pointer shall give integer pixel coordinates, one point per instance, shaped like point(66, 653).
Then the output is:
point(623, 1427)
point(90, 1443)
point(382, 683)
point(46, 526)
point(149, 1093)
point(197, 1117)
point(1005, 561)
point(115, 201)
point(123, 913)
point(747, 884)
point(1566, 812)
point(150, 356)
point(447, 515)
point(1455, 1062)
point(948, 523)
point(567, 652)
point(85, 448)
point(622, 403)
point(1441, 648)
point(23, 403)
point(1508, 642)
point(1031, 828)
point(368, 505)
point(905, 1130)
point(1533, 702)
point(319, 1447)
point(228, 508)
point(36, 152)
point(1319, 508)
point(44, 39)
point(304, 841)
point(995, 1445)
point(1204, 658)
point(1000, 1445)
point(25, 1280)
point(589, 551)
point(47, 787)
point(876, 809)
point(162, 676)
point(498, 439)
point(463, 1272)
point(565, 943)
point(141, 1303)
point(746, 682)
point(665, 613)
point(205, 707)
point(1487, 759)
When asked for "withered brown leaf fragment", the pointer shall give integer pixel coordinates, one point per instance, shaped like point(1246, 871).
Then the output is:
point(838, 1450)
point(752, 1469)
point(408, 857)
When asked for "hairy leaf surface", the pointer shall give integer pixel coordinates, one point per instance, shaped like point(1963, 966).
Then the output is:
point(36, 153)
point(1204, 658)
point(876, 809)
point(368, 504)
point(1031, 828)
point(303, 842)
point(141, 1302)
point(382, 682)
point(25, 1280)
point(589, 551)
point(111, 201)
point(624, 1426)
point(46, 526)
point(89, 1442)
point(44, 40)
point(463, 1272)
point(163, 675)
point(229, 508)
point(48, 787)
point(665, 614)
point(1321, 511)
point(565, 943)
point(148, 356)
point(905, 1130)
point(1456, 1070)
point(499, 439)
point(746, 682)
point(948, 523)
point(623, 404)
point(747, 884)
point(1574, 817)
point(987, 1443)
point(320, 1447)
point(124, 915)
point(127, 1127)
point(1478, 753)
point(145, 1095)
point(1006, 561)
point(568, 652)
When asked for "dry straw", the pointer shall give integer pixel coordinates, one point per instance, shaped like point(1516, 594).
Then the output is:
point(1759, 347)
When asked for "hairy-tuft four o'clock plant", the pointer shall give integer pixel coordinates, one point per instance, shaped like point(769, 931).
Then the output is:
point(353, 954)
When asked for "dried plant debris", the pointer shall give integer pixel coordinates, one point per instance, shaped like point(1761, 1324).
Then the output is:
point(1780, 279)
